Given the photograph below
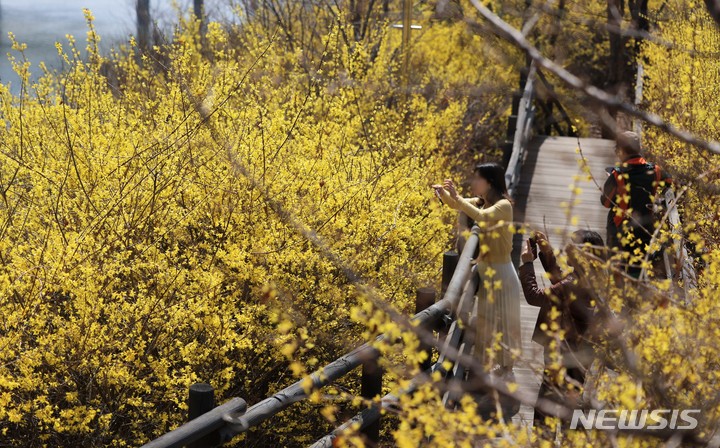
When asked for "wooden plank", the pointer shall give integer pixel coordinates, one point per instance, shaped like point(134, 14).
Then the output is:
point(550, 166)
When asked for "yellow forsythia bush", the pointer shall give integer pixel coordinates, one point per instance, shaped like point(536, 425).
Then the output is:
point(682, 85)
point(141, 250)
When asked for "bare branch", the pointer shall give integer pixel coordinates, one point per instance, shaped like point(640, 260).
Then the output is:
point(516, 37)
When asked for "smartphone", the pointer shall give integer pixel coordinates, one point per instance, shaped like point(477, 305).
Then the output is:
point(533, 246)
point(437, 195)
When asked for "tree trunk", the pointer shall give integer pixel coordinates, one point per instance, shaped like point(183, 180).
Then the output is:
point(618, 56)
point(618, 67)
point(622, 64)
point(198, 8)
point(199, 11)
point(355, 18)
point(142, 8)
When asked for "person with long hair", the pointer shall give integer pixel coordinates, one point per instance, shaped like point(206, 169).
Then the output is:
point(499, 293)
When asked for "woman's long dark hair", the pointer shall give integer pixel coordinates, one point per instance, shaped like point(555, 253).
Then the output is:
point(494, 174)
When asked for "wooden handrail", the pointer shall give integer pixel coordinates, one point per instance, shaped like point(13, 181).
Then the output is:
point(198, 428)
point(265, 409)
point(232, 418)
point(370, 415)
point(461, 311)
point(523, 130)
point(682, 258)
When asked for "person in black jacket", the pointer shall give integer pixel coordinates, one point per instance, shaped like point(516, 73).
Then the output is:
point(566, 306)
point(630, 192)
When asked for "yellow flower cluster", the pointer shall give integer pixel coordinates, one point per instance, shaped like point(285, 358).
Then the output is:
point(682, 85)
point(137, 259)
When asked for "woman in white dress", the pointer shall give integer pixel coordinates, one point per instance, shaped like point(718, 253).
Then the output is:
point(499, 293)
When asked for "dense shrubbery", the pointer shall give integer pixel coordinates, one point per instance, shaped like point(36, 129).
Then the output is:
point(683, 86)
point(137, 258)
point(155, 211)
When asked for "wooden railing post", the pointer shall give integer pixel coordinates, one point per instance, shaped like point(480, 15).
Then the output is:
point(522, 132)
point(506, 148)
point(201, 400)
point(370, 388)
point(424, 299)
point(450, 261)
point(211, 422)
